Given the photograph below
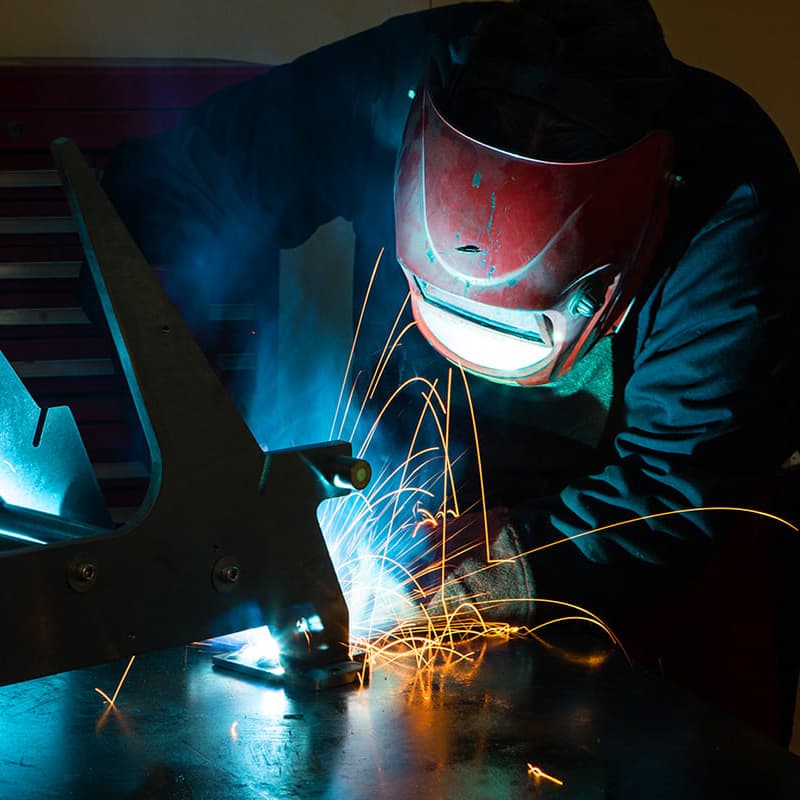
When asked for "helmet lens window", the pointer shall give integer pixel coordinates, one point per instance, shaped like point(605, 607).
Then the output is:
point(480, 345)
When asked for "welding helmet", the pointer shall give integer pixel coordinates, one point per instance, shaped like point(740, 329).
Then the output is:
point(517, 266)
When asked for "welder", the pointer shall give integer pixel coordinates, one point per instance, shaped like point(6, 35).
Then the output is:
point(603, 235)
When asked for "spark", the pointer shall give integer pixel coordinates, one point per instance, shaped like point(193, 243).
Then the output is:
point(355, 337)
point(444, 492)
point(658, 515)
point(537, 773)
point(429, 639)
point(113, 699)
point(111, 702)
point(389, 347)
point(234, 730)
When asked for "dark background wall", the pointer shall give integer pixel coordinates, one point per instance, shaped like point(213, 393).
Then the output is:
point(752, 43)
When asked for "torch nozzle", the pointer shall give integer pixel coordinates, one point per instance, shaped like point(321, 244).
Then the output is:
point(349, 473)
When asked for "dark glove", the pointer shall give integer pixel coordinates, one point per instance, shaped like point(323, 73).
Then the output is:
point(499, 587)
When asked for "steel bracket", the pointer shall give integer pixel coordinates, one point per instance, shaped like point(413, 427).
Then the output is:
point(227, 538)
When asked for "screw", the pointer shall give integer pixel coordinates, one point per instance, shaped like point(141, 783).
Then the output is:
point(230, 574)
point(226, 574)
point(86, 573)
point(82, 574)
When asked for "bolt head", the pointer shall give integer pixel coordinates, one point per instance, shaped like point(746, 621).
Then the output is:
point(82, 574)
point(230, 574)
point(226, 574)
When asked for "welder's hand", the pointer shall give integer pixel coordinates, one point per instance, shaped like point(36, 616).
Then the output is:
point(499, 584)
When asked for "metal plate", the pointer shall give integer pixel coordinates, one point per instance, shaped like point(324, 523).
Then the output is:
point(182, 731)
point(44, 466)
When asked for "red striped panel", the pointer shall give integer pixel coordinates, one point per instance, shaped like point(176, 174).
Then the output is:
point(92, 130)
point(114, 84)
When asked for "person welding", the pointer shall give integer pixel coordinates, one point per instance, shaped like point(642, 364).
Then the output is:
point(602, 237)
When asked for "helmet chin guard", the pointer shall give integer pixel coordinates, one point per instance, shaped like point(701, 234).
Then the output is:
point(518, 266)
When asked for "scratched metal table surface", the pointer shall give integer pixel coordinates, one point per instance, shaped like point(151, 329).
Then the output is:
point(183, 731)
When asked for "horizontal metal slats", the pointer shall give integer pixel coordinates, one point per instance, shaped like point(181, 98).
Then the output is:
point(43, 316)
point(39, 270)
point(50, 327)
point(36, 178)
point(57, 350)
point(33, 226)
point(64, 367)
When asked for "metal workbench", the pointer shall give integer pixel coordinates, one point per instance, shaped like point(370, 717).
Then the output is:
point(183, 730)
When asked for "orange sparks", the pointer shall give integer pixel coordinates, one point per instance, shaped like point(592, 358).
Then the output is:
point(355, 339)
point(537, 773)
point(113, 699)
point(446, 638)
point(658, 515)
point(428, 520)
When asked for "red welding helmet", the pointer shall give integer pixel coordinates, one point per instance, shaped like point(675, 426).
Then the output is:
point(518, 266)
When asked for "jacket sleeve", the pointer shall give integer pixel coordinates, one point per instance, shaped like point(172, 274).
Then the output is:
point(707, 413)
point(259, 166)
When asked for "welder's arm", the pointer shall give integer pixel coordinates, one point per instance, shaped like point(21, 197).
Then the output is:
point(261, 165)
point(215, 198)
point(707, 410)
